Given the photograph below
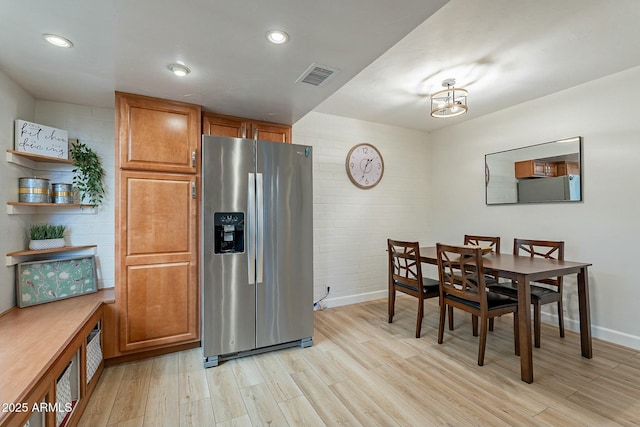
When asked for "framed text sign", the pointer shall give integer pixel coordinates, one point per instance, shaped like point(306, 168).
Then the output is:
point(38, 282)
point(42, 140)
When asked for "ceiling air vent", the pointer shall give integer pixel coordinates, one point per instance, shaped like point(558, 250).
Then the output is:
point(317, 75)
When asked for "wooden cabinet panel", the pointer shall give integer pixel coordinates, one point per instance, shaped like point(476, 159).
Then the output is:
point(157, 134)
point(238, 127)
point(271, 132)
point(160, 305)
point(220, 125)
point(158, 302)
point(567, 168)
point(159, 213)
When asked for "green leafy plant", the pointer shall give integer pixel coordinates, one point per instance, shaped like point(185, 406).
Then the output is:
point(88, 173)
point(46, 231)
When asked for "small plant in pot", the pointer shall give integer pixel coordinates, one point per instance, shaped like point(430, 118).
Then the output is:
point(88, 174)
point(46, 236)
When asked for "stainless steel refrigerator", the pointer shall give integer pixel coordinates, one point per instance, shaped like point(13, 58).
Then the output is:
point(257, 247)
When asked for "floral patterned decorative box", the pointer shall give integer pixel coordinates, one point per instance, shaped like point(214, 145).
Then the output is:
point(38, 282)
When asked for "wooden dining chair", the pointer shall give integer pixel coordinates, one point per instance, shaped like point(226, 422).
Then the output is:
point(489, 279)
point(405, 275)
point(461, 278)
point(548, 291)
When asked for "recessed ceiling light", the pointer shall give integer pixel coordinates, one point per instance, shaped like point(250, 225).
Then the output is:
point(277, 36)
point(56, 40)
point(179, 70)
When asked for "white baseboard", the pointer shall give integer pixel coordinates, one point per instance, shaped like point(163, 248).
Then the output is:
point(354, 299)
point(598, 332)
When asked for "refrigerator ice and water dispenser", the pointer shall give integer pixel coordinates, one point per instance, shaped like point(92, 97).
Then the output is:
point(228, 232)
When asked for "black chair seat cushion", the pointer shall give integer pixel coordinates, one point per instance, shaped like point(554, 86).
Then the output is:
point(494, 301)
point(537, 292)
point(429, 285)
point(488, 280)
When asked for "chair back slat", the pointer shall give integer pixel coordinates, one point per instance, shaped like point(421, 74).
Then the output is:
point(461, 272)
point(403, 264)
point(491, 241)
point(549, 249)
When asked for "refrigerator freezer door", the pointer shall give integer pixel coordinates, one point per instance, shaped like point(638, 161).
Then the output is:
point(228, 298)
point(284, 308)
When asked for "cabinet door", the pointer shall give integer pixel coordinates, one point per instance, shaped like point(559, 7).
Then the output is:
point(540, 168)
point(238, 127)
point(266, 131)
point(567, 168)
point(158, 250)
point(220, 125)
point(157, 135)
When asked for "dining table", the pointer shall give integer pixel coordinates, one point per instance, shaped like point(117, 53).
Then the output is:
point(523, 270)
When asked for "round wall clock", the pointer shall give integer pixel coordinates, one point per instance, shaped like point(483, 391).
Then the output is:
point(364, 165)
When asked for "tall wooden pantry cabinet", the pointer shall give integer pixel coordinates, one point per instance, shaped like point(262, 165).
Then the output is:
point(157, 185)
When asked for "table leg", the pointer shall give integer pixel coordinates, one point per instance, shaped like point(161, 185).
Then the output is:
point(524, 328)
point(585, 317)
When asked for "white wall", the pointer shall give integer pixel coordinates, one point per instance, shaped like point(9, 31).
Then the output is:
point(15, 103)
point(603, 230)
point(351, 226)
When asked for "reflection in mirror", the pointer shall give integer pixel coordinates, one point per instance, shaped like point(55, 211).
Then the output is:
point(549, 172)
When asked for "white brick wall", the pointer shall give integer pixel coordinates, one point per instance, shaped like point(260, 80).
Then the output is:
point(351, 225)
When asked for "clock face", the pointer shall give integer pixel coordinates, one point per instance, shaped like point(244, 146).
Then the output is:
point(365, 165)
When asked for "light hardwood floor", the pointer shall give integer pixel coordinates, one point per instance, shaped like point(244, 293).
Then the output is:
point(363, 371)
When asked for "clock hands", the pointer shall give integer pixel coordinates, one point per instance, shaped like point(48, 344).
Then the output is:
point(364, 169)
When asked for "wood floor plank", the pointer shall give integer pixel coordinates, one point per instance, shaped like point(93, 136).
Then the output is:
point(131, 397)
point(323, 366)
point(196, 413)
point(299, 412)
point(276, 377)
point(163, 401)
point(262, 407)
point(246, 372)
point(243, 421)
point(100, 405)
point(450, 405)
point(292, 359)
point(324, 401)
point(361, 406)
point(391, 400)
point(192, 379)
point(225, 394)
point(135, 422)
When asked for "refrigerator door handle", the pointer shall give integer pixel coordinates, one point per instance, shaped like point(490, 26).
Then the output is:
point(251, 228)
point(259, 228)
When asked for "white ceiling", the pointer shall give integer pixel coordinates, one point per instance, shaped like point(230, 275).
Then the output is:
point(127, 45)
point(392, 54)
point(504, 52)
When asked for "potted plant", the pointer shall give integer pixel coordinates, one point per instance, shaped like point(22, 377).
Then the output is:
point(46, 236)
point(88, 174)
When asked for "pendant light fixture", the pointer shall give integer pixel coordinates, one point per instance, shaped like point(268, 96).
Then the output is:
point(449, 102)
